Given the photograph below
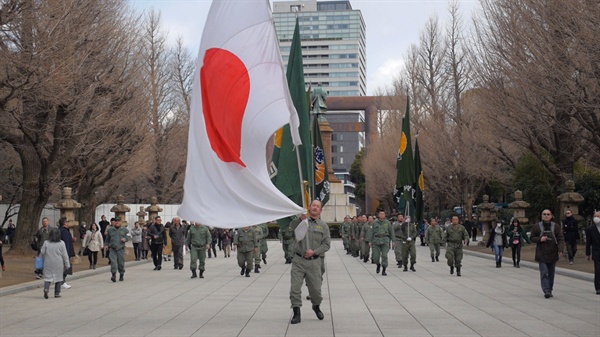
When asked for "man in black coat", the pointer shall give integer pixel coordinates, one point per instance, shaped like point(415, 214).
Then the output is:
point(592, 248)
point(571, 231)
point(68, 239)
point(158, 238)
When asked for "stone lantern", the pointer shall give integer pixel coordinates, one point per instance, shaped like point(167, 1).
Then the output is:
point(153, 210)
point(120, 210)
point(570, 200)
point(488, 214)
point(141, 216)
point(519, 206)
point(67, 207)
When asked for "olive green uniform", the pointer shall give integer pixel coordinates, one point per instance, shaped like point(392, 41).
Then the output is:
point(398, 242)
point(246, 242)
point(381, 236)
point(117, 248)
point(287, 243)
point(259, 238)
point(454, 250)
point(345, 232)
point(264, 247)
point(197, 239)
point(317, 238)
point(433, 237)
point(365, 239)
point(408, 246)
point(355, 238)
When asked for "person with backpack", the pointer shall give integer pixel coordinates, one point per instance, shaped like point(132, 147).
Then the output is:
point(549, 241)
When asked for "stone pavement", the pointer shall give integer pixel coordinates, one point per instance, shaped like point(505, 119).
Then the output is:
point(485, 301)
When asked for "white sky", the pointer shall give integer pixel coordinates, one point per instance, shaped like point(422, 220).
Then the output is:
point(392, 26)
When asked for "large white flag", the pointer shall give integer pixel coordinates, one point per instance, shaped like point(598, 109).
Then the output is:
point(240, 98)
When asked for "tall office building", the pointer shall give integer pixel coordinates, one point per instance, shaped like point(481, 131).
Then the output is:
point(334, 56)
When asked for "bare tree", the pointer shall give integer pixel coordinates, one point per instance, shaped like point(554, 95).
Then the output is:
point(539, 73)
point(61, 74)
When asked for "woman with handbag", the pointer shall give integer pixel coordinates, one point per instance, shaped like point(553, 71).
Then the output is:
point(92, 244)
point(56, 261)
point(517, 235)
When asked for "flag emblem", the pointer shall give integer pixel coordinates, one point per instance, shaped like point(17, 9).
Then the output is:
point(403, 144)
point(225, 88)
point(319, 165)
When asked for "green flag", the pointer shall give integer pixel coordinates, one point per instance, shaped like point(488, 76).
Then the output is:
point(405, 177)
point(322, 186)
point(285, 174)
point(420, 185)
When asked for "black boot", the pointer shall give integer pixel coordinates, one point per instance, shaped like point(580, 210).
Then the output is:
point(256, 268)
point(121, 277)
point(500, 264)
point(518, 265)
point(378, 268)
point(451, 270)
point(296, 318)
point(383, 273)
point(264, 260)
point(457, 271)
point(412, 267)
point(514, 263)
point(432, 259)
point(248, 272)
point(241, 272)
point(113, 277)
point(437, 259)
point(194, 274)
point(318, 311)
point(201, 273)
point(405, 268)
point(497, 264)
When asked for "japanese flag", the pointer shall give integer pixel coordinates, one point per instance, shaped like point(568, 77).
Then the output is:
point(240, 98)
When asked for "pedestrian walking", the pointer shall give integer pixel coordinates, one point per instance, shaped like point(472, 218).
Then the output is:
point(571, 232)
point(198, 241)
point(592, 248)
point(158, 237)
point(136, 240)
point(286, 237)
point(67, 238)
point(397, 239)
point(516, 238)
point(116, 238)
point(498, 241)
point(313, 240)
point(145, 244)
point(549, 241)
point(456, 236)
point(94, 243)
point(380, 238)
point(246, 244)
point(177, 232)
point(408, 237)
point(40, 237)
point(56, 261)
point(434, 238)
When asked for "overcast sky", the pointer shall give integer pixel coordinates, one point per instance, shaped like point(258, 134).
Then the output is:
point(392, 26)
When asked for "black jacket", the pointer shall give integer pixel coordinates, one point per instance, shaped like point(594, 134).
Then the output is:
point(571, 230)
point(592, 244)
point(490, 241)
point(157, 230)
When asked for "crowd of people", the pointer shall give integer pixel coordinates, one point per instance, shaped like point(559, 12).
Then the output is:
point(366, 237)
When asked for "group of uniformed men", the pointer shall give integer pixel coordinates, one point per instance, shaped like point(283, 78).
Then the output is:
point(361, 234)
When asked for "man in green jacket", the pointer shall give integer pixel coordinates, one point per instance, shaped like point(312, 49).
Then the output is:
point(313, 240)
point(408, 235)
point(397, 240)
point(380, 238)
point(198, 241)
point(345, 233)
point(115, 241)
point(456, 236)
point(286, 237)
point(433, 237)
point(365, 238)
point(246, 244)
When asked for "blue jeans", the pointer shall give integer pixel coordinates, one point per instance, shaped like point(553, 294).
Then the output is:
point(547, 276)
point(498, 251)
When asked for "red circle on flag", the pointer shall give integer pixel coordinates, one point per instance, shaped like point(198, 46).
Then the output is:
point(225, 91)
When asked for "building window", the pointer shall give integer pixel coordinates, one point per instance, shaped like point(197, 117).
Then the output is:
point(341, 148)
point(334, 148)
point(295, 8)
point(341, 160)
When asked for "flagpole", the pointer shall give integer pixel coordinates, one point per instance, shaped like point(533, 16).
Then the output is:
point(300, 175)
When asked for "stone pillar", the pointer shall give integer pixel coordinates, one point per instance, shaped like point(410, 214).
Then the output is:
point(120, 210)
point(570, 200)
point(326, 132)
point(487, 216)
point(141, 216)
point(519, 206)
point(67, 208)
point(153, 210)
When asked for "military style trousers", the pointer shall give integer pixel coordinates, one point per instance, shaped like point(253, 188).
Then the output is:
point(408, 248)
point(434, 248)
point(366, 249)
point(346, 243)
point(380, 252)
point(398, 250)
point(245, 258)
point(117, 261)
point(454, 254)
point(197, 254)
point(311, 271)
